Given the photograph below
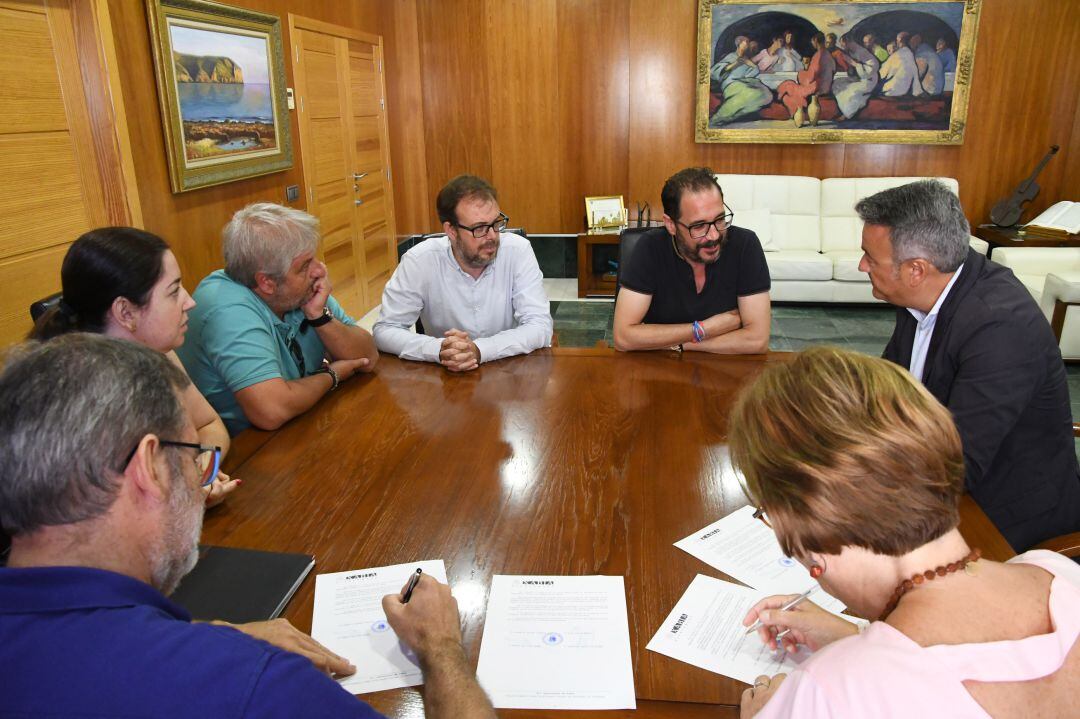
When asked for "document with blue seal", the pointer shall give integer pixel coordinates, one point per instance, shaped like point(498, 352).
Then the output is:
point(557, 642)
point(349, 620)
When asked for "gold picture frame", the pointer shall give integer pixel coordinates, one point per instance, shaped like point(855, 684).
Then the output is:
point(605, 212)
point(221, 86)
point(740, 104)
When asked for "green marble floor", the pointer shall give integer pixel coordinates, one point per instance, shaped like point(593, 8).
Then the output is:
point(864, 329)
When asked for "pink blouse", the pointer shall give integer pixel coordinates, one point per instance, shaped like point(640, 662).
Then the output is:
point(883, 673)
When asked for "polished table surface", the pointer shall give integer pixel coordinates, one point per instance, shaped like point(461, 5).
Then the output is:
point(561, 462)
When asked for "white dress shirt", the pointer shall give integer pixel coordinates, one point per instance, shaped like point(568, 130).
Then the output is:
point(924, 330)
point(505, 311)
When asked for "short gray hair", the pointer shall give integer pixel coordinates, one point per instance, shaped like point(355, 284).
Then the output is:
point(71, 411)
point(925, 220)
point(264, 237)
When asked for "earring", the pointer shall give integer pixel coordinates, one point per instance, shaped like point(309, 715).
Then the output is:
point(816, 570)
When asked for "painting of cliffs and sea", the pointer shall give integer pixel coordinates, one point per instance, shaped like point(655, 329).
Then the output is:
point(221, 82)
point(223, 85)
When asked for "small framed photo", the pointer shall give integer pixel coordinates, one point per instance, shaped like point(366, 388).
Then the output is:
point(605, 212)
point(221, 86)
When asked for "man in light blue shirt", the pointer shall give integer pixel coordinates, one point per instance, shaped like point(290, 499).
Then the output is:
point(478, 291)
point(973, 335)
point(266, 339)
point(924, 329)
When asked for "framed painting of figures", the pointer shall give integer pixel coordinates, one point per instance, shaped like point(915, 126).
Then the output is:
point(814, 71)
point(221, 85)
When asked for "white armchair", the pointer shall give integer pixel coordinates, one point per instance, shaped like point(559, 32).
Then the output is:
point(1052, 276)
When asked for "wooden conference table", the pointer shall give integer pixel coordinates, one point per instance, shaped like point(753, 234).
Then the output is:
point(566, 461)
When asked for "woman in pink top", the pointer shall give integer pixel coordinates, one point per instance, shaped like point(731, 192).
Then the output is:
point(859, 471)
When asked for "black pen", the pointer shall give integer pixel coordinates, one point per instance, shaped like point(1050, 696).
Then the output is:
point(413, 581)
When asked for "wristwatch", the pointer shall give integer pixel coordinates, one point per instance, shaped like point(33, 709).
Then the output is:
point(327, 315)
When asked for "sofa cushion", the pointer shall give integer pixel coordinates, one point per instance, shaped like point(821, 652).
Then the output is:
point(799, 265)
point(759, 221)
point(841, 228)
point(794, 204)
point(846, 265)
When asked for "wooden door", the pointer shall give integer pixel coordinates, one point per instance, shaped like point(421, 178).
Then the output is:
point(346, 159)
point(371, 158)
point(60, 171)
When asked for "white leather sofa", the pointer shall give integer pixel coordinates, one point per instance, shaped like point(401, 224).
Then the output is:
point(1049, 274)
point(810, 232)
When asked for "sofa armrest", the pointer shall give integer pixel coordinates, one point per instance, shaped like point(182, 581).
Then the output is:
point(980, 246)
point(1038, 260)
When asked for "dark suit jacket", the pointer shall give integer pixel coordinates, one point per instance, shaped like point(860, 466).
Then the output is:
point(994, 362)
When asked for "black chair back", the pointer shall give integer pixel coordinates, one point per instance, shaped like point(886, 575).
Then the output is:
point(628, 240)
point(40, 307)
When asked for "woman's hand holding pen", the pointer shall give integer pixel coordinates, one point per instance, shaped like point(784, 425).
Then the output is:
point(806, 622)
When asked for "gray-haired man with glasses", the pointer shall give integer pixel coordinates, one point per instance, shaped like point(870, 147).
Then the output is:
point(477, 291)
point(697, 283)
point(102, 533)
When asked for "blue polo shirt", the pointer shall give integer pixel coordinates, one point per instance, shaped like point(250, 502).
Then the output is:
point(86, 642)
point(234, 340)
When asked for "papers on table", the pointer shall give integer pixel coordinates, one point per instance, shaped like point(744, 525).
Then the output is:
point(557, 643)
point(744, 548)
point(705, 629)
point(349, 620)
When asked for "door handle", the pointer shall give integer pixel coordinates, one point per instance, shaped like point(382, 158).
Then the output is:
point(359, 176)
point(358, 202)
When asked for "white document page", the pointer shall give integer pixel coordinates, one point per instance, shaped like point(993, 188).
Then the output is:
point(349, 620)
point(557, 643)
point(705, 629)
point(745, 549)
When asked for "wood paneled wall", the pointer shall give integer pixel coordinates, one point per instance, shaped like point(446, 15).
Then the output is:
point(191, 222)
point(554, 100)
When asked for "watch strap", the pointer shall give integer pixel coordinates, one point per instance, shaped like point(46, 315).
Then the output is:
point(327, 316)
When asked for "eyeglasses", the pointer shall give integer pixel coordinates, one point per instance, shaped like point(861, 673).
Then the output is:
point(298, 356)
point(207, 459)
point(481, 231)
point(759, 513)
point(699, 230)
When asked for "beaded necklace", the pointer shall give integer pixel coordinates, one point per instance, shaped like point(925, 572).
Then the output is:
point(908, 584)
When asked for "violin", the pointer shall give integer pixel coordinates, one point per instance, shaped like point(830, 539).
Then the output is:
point(1007, 212)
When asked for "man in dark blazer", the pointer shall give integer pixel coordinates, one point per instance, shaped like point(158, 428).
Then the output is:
point(973, 335)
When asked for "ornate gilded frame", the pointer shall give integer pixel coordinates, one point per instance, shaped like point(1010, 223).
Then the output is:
point(954, 135)
point(192, 173)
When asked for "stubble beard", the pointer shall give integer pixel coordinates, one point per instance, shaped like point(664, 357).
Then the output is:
point(476, 260)
point(693, 253)
point(178, 549)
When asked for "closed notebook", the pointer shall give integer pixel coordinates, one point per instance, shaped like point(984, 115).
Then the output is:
point(241, 585)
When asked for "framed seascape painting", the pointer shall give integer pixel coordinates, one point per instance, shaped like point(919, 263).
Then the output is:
point(812, 71)
point(221, 85)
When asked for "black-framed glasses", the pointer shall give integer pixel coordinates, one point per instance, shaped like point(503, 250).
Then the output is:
point(481, 231)
point(207, 459)
point(699, 230)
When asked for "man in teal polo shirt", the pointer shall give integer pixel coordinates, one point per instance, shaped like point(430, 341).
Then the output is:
point(266, 340)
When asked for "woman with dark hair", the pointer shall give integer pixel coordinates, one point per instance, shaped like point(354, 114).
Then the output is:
point(125, 283)
point(859, 472)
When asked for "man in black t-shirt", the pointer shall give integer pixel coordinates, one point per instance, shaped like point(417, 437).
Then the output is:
point(697, 283)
